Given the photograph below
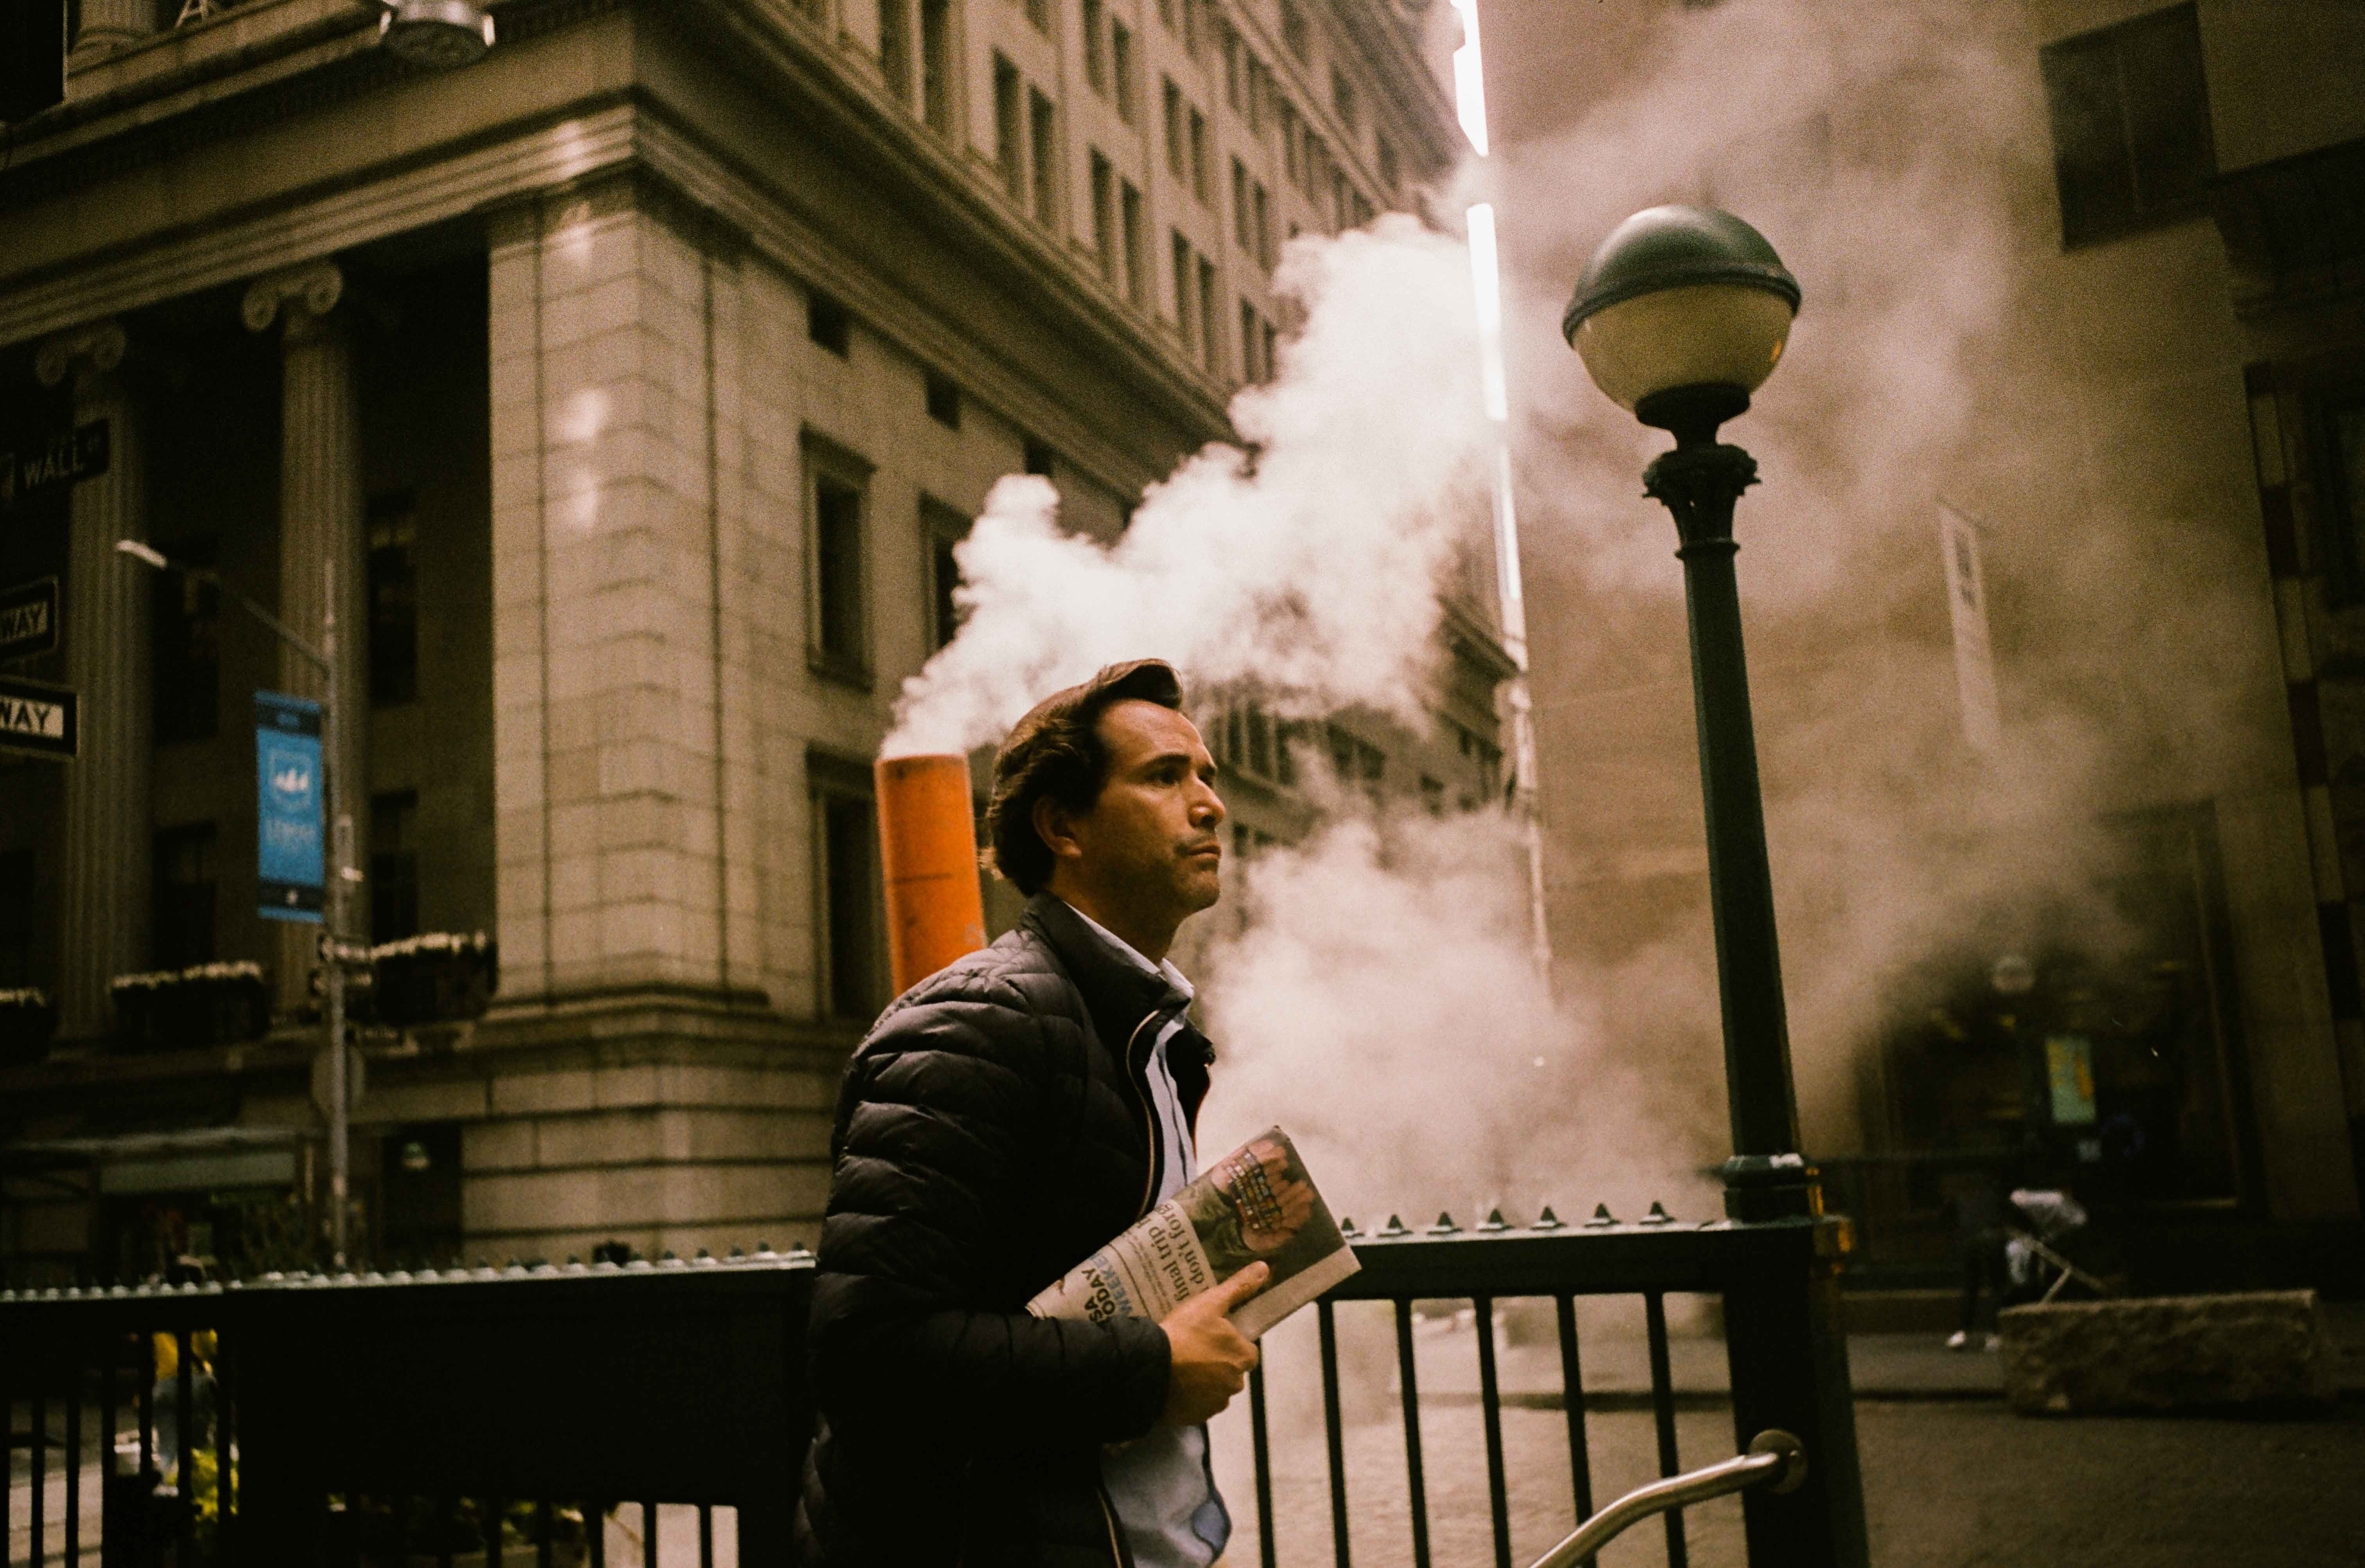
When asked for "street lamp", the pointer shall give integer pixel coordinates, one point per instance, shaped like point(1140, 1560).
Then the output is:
point(437, 33)
point(1681, 314)
point(322, 657)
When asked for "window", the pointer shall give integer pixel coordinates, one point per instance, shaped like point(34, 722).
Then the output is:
point(1268, 354)
point(1185, 288)
point(895, 47)
point(1260, 739)
point(1103, 182)
point(1191, 28)
point(1009, 151)
point(936, 65)
point(836, 486)
point(1363, 212)
point(1203, 184)
point(846, 843)
point(183, 929)
point(941, 528)
point(1095, 53)
point(1293, 31)
point(2131, 137)
point(1038, 12)
point(1035, 455)
point(1249, 366)
point(1121, 69)
point(1391, 176)
point(1432, 795)
point(1211, 320)
point(16, 918)
point(829, 323)
point(943, 400)
point(187, 654)
point(393, 599)
point(1166, 13)
point(1176, 155)
point(394, 865)
point(1136, 255)
point(1044, 133)
point(1357, 762)
point(1262, 201)
point(1235, 82)
point(1342, 99)
point(1292, 154)
point(1242, 234)
point(1260, 94)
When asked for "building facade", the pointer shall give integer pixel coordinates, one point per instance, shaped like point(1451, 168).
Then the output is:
point(2149, 519)
point(624, 392)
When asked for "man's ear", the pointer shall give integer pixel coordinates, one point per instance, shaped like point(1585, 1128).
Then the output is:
point(1055, 825)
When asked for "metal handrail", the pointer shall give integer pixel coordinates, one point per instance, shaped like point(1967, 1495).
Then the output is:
point(1776, 1459)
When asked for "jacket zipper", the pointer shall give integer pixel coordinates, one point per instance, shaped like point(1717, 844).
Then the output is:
point(1118, 1553)
point(1139, 1080)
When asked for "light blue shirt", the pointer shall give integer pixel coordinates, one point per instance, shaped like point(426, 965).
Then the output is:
point(1161, 1485)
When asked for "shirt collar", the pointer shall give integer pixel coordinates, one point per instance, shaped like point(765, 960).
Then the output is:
point(1164, 969)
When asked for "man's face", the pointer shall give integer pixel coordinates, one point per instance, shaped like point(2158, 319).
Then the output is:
point(1150, 843)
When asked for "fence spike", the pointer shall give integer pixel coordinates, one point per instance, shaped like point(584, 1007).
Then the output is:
point(1395, 1226)
point(1601, 1216)
point(1547, 1220)
point(1444, 1225)
point(1347, 1227)
point(1658, 1214)
point(1493, 1222)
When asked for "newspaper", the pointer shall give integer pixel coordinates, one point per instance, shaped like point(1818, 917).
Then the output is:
point(1256, 1204)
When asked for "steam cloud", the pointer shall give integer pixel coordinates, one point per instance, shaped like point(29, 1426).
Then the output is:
point(1311, 569)
point(1371, 990)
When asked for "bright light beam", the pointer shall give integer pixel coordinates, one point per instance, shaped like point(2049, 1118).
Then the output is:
point(1470, 79)
point(1486, 278)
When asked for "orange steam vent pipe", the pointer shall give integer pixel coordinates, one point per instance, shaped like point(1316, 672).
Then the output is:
point(927, 844)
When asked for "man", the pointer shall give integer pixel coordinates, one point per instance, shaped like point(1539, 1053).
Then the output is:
point(1007, 1117)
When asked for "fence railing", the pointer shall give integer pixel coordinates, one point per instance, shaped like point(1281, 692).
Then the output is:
point(497, 1416)
point(482, 1416)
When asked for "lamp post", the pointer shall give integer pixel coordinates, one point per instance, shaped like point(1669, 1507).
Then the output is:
point(322, 657)
point(437, 34)
point(1680, 315)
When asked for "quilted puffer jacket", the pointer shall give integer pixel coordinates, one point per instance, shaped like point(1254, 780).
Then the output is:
point(993, 1130)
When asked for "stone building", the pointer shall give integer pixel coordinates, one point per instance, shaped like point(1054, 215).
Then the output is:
point(2164, 472)
point(626, 391)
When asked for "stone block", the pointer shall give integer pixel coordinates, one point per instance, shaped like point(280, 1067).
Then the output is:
point(2269, 1348)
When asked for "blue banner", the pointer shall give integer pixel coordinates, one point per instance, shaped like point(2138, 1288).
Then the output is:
point(288, 794)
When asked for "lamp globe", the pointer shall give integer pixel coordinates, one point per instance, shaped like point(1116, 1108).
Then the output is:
point(1681, 314)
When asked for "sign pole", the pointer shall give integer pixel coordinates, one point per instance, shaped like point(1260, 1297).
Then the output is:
point(340, 874)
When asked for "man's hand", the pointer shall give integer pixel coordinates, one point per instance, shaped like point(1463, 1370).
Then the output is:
point(1211, 1358)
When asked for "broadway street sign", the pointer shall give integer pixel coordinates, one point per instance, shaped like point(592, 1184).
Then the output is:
point(54, 463)
point(37, 717)
point(29, 619)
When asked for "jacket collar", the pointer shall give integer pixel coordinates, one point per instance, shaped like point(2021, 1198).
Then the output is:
point(1117, 992)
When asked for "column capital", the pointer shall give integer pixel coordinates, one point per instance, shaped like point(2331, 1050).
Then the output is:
point(304, 293)
point(94, 347)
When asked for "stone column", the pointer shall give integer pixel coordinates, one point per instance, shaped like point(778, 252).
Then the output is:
point(110, 25)
point(104, 635)
point(319, 522)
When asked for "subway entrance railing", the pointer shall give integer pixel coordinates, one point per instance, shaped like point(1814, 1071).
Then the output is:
point(498, 1416)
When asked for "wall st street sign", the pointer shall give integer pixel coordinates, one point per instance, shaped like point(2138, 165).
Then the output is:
point(29, 619)
point(38, 718)
point(37, 468)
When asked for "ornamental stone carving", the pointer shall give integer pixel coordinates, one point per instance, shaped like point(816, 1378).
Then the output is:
point(98, 346)
point(315, 287)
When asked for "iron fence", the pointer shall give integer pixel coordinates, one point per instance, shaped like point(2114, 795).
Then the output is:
point(491, 1416)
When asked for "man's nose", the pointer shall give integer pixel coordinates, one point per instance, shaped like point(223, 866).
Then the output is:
point(1207, 810)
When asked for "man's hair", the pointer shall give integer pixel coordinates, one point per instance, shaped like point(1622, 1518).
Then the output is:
point(1056, 753)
